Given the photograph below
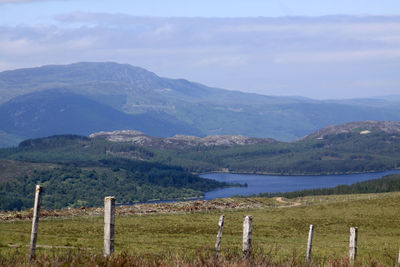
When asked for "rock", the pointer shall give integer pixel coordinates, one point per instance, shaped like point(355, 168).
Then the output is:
point(179, 141)
point(361, 127)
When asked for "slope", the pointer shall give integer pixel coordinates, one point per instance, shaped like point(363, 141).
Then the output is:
point(350, 152)
point(52, 112)
point(78, 171)
point(353, 147)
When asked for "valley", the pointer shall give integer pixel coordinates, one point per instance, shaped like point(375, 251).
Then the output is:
point(133, 166)
point(199, 133)
point(89, 130)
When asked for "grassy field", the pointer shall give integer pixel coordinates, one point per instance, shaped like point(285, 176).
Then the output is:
point(280, 230)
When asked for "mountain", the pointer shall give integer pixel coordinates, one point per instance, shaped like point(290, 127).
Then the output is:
point(119, 81)
point(53, 112)
point(198, 109)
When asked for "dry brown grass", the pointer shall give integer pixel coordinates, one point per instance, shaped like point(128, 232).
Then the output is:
point(203, 258)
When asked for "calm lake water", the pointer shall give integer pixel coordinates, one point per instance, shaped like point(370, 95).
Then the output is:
point(271, 184)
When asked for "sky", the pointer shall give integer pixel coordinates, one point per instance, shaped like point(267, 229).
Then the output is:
point(312, 48)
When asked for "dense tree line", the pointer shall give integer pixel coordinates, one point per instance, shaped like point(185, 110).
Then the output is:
point(86, 184)
point(343, 153)
point(389, 183)
point(67, 148)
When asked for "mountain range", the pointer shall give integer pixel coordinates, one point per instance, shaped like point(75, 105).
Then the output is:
point(84, 98)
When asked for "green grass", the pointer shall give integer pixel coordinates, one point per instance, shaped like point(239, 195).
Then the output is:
point(278, 232)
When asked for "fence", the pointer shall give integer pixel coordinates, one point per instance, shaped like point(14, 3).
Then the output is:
point(109, 226)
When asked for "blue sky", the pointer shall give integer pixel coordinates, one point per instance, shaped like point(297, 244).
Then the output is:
point(318, 49)
point(38, 11)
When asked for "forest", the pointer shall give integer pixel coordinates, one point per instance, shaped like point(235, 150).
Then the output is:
point(80, 171)
point(334, 154)
point(83, 174)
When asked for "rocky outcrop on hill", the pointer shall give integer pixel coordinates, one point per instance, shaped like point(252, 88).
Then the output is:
point(179, 141)
point(361, 127)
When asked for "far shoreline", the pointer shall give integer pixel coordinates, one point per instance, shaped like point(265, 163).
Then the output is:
point(295, 174)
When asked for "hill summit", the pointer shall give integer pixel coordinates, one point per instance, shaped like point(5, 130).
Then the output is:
point(179, 141)
point(361, 127)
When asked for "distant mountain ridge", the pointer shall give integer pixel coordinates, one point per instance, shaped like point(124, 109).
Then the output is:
point(179, 141)
point(111, 79)
point(53, 112)
point(161, 106)
point(185, 141)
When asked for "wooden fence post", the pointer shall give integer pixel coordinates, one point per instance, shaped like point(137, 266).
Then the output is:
point(247, 235)
point(353, 244)
point(398, 259)
point(109, 220)
point(309, 243)
point(219, 235)
point(35, 221)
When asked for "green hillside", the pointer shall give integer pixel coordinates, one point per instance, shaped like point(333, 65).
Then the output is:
point(342, 153)
point(347, 152)
point(87, 183)
point(78, 171)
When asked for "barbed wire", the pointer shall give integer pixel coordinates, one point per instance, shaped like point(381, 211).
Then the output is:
point(281, 244)
point(287, 242)
point(223, 249)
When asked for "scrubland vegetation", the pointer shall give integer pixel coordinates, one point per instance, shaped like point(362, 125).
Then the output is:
point(182, 238)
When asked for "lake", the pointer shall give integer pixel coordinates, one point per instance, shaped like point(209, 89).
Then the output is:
point(273, 183)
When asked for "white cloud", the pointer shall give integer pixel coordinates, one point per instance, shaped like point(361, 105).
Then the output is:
point(223, 61)
point(342, 56)
point(254, 54)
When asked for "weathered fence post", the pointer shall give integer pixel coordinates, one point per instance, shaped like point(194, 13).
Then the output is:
point(35, 221)
point(219, 235)
point(247, 235)
point(109, 219)
point(353, 244)
point(309, 243)
point(398, 259)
